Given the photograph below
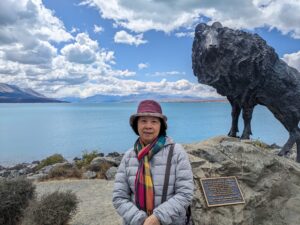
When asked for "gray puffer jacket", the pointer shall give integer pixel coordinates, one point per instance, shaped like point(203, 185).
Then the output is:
point(180, 189)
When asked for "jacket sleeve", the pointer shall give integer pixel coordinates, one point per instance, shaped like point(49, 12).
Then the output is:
point(175, 207)
point(122, 198)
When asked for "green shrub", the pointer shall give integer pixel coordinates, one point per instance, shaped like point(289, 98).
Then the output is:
point(86, 158)
point(56, 208)
point(100, 169)
point(260, 144)
point(56, 158)
point(15, 195)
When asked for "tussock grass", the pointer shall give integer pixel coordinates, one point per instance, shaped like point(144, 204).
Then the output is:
point(87, 158)
point(56, 208)
point(15, 195)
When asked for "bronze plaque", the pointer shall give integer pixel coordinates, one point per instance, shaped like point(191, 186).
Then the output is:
point(221, 191)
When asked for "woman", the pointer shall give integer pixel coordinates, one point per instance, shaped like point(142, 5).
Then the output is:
point(138, 188)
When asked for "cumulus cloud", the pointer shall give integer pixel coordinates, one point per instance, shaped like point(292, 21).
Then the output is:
point(83, 51)
point(20, 16)
point(30, 56)
point(293, 60)
point(115, 86)
point(41, 53)
point(27, 29)
point(126, 38)
point(98, 29)
point(143, 66)
point(141, 16)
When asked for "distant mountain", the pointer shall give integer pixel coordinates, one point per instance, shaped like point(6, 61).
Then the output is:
point(139, 97)
point(15, 94)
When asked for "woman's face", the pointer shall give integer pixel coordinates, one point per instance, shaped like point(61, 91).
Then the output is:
point(148, 128)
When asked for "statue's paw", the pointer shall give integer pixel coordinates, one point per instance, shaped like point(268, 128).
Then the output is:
point(245, 136)
point(232, 134)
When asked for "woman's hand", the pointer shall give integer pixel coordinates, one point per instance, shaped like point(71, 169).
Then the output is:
point(152, 220)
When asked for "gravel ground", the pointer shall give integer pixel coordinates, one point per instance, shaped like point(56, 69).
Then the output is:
point(95, 206)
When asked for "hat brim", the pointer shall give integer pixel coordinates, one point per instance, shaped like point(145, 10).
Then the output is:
point(161, 116)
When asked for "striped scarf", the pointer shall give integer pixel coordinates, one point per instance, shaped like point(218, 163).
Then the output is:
point(144, 190)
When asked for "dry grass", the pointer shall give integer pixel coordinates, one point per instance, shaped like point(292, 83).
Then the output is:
point(56, 208)
point(14, 198)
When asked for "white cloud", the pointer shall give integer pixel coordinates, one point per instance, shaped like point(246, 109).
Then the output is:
point(143, 66)
point(21, 16)
point(83, 51)
point(293, 60)
point(115, 86)
point(98, 29)
point(40, 53)
point(27, 29)
point(74, 30)
point(122, 73)
point(168, 16)
point(29, 58)
point(125, 38)
point(167, 73)
point(184, 34)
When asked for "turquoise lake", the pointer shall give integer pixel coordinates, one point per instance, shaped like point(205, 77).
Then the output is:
point(34, 131)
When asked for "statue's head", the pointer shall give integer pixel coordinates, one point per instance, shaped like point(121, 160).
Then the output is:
point(208, 35)
point(228, 59)
point(205, 52)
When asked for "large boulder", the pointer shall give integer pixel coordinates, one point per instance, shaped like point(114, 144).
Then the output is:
point(270, 184)
point(111, 173)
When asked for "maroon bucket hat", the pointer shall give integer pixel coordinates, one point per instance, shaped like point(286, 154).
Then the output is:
point(148, 108)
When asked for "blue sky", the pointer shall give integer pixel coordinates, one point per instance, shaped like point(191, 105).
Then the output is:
point(73, 48)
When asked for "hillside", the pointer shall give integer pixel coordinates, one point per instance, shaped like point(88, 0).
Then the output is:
point(15, 94)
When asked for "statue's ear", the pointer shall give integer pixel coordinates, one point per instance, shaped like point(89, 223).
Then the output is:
point(200, 28)
point(216, 25)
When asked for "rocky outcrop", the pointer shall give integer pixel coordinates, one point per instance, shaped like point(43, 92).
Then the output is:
point(100, 164)
point(270, 184)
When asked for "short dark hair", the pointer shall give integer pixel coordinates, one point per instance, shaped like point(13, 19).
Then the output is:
point(162, 131)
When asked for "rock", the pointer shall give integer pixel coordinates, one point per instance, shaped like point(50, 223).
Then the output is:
point(47, 169)
point(100, 154)
point(89, 175)
point(17, 170)
point(99, 160)
point(4, 173)
point(19, 166)
point(113, 154)
point(76, 159)
point(36, 176)
point(275, 146)
point(111, 173)
point(270, 184)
